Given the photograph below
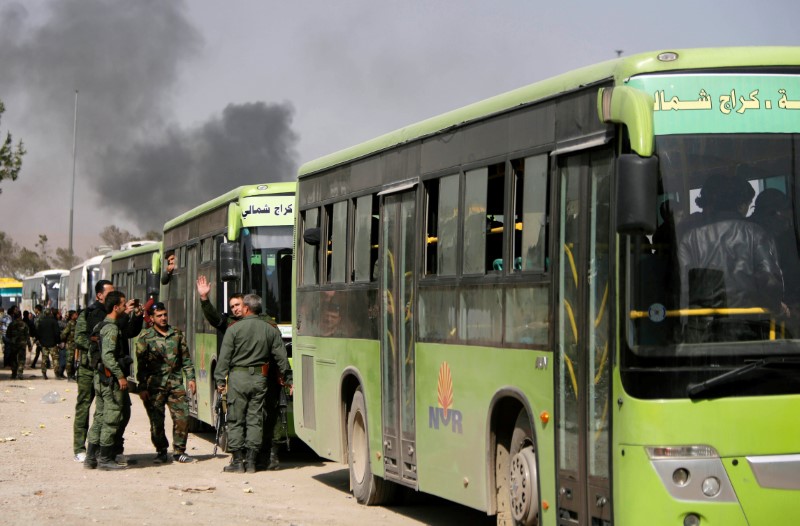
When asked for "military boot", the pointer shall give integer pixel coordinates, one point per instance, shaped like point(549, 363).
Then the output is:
point(237, 463)
point(250, 463)
point(274, 463)
point(105, 460)
point(90, 462)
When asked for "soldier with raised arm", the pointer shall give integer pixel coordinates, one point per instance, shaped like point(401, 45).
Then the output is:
point(247, 349)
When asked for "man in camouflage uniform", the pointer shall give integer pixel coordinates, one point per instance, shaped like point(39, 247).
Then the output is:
point(163, 359)
point(68, 337)
point(17, 338)
point(111, 386)
point(273, 434)
point(86, 321)
point(248, 347)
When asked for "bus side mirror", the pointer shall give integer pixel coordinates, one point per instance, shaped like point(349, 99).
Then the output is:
point(153, 284)
point(637, 194)
point(230, 262)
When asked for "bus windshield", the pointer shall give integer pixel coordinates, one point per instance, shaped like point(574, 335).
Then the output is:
point(51, 285)
point(267, 252)
point(717, 286)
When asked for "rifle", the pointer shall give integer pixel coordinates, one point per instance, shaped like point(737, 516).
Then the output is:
point(283, 403)
point(219, 423)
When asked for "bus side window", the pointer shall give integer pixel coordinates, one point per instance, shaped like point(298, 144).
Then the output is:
point(365, 239)
point(441, 230)
point(337, 241)
point(310, 251)
point(530, 214)
point(431, 226)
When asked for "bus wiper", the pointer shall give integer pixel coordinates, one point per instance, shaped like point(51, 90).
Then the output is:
point(694, 390)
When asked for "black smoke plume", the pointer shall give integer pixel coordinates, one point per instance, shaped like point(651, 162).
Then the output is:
point(125, 58)
point(249, 144)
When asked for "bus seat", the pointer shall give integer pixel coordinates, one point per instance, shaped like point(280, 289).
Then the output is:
point(497, 264)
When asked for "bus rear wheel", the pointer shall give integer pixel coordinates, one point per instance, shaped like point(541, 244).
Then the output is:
point(523, 476)
point(367, 488)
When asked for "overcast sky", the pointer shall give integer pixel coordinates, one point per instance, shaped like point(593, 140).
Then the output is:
point(182, 101)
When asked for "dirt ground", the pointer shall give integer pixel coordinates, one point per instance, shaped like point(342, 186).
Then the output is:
point(41, 484)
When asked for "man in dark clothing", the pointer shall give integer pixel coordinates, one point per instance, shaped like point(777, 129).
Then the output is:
point(728, 262)
point(247, 349)
point(17, 337)
point(49, 335)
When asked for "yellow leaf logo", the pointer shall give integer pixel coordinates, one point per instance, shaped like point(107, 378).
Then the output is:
point(445, 388)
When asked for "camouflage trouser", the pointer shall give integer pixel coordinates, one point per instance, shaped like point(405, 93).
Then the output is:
point(119, 439)
point(175, 398)
point(245, 416)
point(18, 366)
point(52, 352)
point(86, 393)
point(109, 409)
point(70, 362)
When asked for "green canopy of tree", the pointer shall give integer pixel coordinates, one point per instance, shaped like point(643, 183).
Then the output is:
point(10, 157)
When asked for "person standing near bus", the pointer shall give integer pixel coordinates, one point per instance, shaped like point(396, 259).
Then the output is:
point(247, 349)
point(88, 318)
point(162, 358)
point(17, 338)
point(85, 324)
point(272, 432)
point(68, 337)
point(49, 337)
point(111, 385)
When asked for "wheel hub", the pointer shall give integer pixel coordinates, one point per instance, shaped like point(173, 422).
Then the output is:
point(524, 490)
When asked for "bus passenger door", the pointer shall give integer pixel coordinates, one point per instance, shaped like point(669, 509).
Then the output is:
point(583, 339)
point(397, 338)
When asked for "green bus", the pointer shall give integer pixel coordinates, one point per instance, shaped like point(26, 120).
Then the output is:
point(494, 305)
point(242, 243)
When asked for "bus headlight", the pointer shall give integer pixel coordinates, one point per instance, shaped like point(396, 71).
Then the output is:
point(711, 487)
point(692, 473)
point(680, 477)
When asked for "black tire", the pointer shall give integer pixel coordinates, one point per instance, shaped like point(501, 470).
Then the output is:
point(523, 480)
point(367, 488)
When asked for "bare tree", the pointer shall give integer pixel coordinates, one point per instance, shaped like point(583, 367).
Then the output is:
point(114, 237)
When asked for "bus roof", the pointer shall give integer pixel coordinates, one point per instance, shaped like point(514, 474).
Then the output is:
point(94, 260)
point(10, 283)
point(617, 69)
point(48, 272)
point(152, 246)
point(233, 195)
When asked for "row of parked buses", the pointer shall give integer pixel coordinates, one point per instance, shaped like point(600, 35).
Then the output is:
point(71, 289)
point(240, 241)
point(475, 311)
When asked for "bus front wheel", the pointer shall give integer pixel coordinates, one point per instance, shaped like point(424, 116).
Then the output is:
point(367, 488)
point(522, 477)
